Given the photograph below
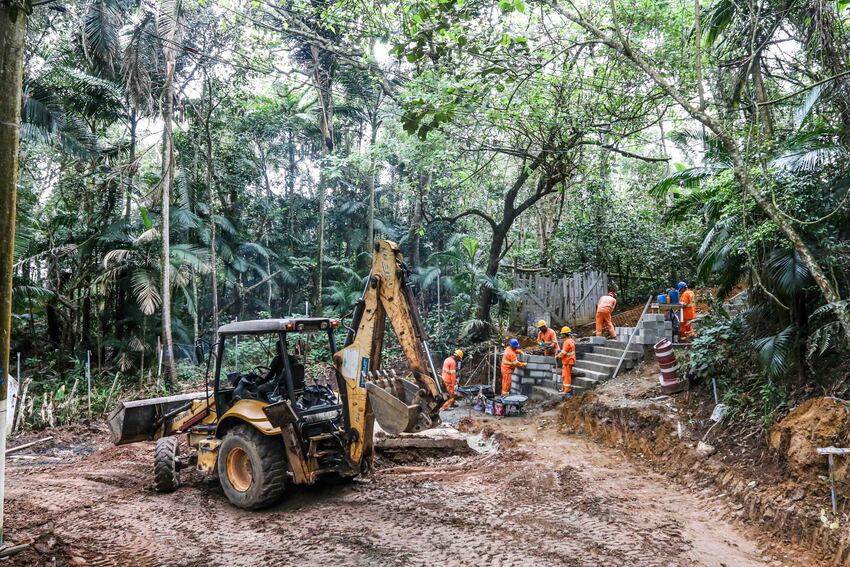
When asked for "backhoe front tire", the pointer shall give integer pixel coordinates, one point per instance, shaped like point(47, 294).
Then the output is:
point(251, 468)
point(166, 468)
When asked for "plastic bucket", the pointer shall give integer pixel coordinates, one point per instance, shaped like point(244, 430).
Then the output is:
point(662, 299)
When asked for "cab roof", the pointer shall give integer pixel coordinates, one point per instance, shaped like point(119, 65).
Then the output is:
point(269, 326)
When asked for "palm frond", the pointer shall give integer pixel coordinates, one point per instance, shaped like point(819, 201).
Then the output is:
point(475, 327)
point(775, 352)
point(788, 271)
point(191, 255)
point(144, 284)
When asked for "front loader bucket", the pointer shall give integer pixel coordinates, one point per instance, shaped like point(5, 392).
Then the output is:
point(140, 420)
point(398, 407)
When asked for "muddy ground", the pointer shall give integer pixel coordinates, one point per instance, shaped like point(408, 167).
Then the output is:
point(545, 498)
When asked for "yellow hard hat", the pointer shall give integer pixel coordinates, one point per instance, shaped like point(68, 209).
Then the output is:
point(541, 323)
point(459, 353)
point(565, 330)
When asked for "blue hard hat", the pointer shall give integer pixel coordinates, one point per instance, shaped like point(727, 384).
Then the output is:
point(681, 285)
point(514, 343)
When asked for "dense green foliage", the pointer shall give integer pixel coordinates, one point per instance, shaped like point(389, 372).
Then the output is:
point(478, 134)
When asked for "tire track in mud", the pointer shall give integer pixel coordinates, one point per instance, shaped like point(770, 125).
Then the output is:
point(547, 501)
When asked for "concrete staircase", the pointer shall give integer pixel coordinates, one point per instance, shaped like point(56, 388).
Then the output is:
point(596, 361)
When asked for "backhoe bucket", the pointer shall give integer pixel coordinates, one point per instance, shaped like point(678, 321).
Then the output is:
point(398, 406)
point(140, 420)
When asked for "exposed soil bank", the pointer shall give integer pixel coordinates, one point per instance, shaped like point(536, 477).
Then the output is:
point(651, 429)
point(543, 499)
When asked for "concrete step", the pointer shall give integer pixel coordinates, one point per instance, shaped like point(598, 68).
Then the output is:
point(579, 385)
point(588, 373)
point(584, 382)
point(606, 369)
point(545, 392)
point(616, 352)
point(628, 362)
point(622, 346)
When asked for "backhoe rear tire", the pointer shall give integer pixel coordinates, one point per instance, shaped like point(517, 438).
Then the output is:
point(251, 468)
point(166, 468)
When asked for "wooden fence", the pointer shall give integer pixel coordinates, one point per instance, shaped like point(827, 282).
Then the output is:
point(570, 300)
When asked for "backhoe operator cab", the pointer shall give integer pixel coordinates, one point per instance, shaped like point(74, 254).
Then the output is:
point(273, 419)
point(282, 378)
point(249, 460)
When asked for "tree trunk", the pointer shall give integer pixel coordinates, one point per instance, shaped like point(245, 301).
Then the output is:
point(212, 193)
point(323, 68)
point(13, 27)
point(761, 97)
point(416, 222)
point(168, 166)
point(372, 174)
point(485, 295)
point(290, 184)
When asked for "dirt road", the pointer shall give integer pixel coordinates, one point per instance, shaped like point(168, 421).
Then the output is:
point(545, 499)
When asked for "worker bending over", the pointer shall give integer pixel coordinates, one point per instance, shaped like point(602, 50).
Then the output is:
point(547, 340)
point(509, 362)
point(568, 359)
point(604, 309)
point(688, 300)
point(449, 375)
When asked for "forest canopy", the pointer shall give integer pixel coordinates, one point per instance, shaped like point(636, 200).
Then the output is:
point(184, 163)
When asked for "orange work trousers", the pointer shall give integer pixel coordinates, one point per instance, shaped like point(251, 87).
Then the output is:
point(450, 388)
point(506, 381)
point(603, 320)
point(567, 378)
point(686, 331)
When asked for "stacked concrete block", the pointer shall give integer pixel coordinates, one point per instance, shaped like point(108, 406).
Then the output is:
point(651, 329)
point(537, 372)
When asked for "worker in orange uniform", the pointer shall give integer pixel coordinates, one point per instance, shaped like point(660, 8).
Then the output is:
point(449, 376)
point(509, 362)
point(604, 309)
point(547, 340)
point(688, 300)
point(568, 359)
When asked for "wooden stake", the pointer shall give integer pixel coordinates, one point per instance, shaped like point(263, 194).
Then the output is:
point(111, 391)
point(88, 380)
point(21, 409)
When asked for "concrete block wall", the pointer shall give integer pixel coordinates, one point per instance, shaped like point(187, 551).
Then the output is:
point(651, 329)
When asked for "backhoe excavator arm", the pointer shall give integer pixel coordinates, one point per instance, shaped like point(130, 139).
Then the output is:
point(400, 403)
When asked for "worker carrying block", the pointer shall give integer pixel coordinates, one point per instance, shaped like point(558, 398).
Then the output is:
point(568, 359)
point(449, 375)
point(547, 340)
point(688, 300)
point(604, 308)
point(510, 361)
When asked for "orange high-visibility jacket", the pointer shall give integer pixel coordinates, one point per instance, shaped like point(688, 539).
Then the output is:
point(548, 340)
point(449, 370)
point(688, 299)
point(606, 304)
point(568, 351)
point(510, 360)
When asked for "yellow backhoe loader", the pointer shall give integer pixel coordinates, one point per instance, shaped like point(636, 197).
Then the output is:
point(261, 429)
